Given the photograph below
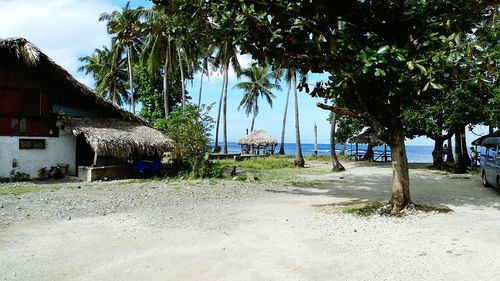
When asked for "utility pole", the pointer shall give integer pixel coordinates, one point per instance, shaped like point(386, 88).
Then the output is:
point(315, 139)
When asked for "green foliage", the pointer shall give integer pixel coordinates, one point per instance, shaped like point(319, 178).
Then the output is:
point(347, 127)
point(20, 176)
point(149, 93)
point(108, 69)
point(264, 164)
point(258, 85)
point(189, 127)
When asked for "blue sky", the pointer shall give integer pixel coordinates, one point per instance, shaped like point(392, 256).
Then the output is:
point(68, 29)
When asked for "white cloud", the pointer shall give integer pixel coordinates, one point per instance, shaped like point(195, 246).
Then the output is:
point(245, 62)
point(63, 29)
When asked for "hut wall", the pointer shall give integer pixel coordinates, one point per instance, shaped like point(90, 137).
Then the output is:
point(31, 157)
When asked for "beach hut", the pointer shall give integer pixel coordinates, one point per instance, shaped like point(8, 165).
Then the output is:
point(48, 118)
point(257, 142)
point(369, 137)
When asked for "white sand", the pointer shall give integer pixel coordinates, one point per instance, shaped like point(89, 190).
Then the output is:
point(278, 234)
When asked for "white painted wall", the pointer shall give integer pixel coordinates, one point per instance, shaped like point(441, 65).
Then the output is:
point(59, 150)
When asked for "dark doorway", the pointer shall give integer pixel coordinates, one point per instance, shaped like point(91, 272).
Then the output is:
point(84, 153)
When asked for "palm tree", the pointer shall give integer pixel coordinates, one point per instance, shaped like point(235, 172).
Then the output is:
point(299, 159)
point(288, 79)
point(125, 25)
point(205, 58)
point(258, 85)
point(225, 57)
point(159, 46)
point(106, 67)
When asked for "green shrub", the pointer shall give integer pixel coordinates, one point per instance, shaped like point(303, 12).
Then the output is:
point(20, 176)
point(189, 127)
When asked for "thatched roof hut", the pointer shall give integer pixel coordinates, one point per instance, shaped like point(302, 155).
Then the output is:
point(117, 138)
point(258, 138)
point(56, 80)
point(368, 136)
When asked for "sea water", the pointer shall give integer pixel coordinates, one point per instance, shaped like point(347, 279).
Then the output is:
point(415, 154)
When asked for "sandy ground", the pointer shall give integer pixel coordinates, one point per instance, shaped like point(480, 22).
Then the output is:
point(198, 230)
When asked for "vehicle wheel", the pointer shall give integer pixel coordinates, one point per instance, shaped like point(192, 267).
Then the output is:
point(485, 181)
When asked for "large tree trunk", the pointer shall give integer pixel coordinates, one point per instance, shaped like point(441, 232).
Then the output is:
point(224, 110)
point(465, 151)
point(400, 176)
point(183, 88)
point(201, 88)
point(217, 125)
point(129, 60)
point(461, 155)
point(449, 152)
point(282, 147)
point(335, 161)
point(299, 159)
point(165, 81)
point(437, 154)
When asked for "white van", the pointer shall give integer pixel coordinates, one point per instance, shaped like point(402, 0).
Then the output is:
point(490, 161)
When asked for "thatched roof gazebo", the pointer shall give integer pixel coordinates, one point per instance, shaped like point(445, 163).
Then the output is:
point(257, 140)
point(369, 137)
point(117, 138)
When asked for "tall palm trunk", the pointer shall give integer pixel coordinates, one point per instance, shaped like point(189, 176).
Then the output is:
point(217, 125)
point(129, 60)
point(224, 108)
point(335, 161)
point(201, 88)
point(182, 79)
point(254, 115)
point(400, 179)
point(282, 147)
point(299, 159)
point(165, 81)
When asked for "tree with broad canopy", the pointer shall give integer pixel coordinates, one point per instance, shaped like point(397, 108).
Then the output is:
point(384, 56)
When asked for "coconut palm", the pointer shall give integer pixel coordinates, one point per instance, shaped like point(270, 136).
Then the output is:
point(106, 67)
point(259, 85)
point(204, 60)
point(125, 25)
point(225, 57)
point(299, 159)
point(158, 48)
point(288, 79)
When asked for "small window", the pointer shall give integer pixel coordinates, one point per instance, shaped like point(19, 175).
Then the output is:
point(14, 125)
point(22, 125)
point(18, 126)
point(492, 152)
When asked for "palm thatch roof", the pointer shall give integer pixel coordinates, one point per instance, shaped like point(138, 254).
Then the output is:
point(479, 141)
point(257, 138)
point(368, 136)
point(57, 79)
point(117, 138)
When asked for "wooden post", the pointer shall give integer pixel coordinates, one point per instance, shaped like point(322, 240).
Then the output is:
point(315, 139)
point(95, 159)
point(385, 152)
point(356, 155)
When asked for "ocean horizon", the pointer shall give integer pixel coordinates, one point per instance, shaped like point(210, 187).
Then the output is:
point(415, 153)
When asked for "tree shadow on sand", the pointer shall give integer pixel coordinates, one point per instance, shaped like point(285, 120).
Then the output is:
point(427, 187)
